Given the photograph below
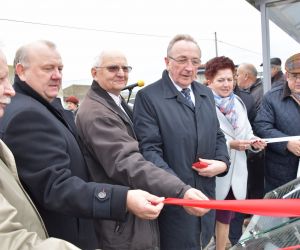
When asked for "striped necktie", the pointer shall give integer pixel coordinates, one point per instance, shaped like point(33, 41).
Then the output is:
point(187, 95)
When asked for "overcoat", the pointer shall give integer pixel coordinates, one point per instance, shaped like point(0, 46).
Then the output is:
point(173, 135)
point(20, 223)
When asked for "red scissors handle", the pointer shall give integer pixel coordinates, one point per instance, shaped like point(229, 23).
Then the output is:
point(200, 164)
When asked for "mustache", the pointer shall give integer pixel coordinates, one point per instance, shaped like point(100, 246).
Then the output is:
point(5, 100)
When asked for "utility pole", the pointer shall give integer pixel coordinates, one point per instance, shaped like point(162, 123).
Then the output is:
point(216, 43)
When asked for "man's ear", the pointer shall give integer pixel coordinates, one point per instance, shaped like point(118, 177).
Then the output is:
point(167, 60)
point(93, 72)
point(20, 71)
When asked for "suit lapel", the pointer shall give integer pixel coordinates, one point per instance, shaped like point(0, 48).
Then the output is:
point(104, 98)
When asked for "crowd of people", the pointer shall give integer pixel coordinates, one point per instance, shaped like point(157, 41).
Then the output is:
point(95, 176)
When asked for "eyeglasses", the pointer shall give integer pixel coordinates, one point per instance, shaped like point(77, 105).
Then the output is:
point(185, 60)
point(116, 68)
point(293, 76)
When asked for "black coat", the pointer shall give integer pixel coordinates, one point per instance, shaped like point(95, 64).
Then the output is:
point(173, 135)
point(249, 102)
point(53, 170)
point(279, 116)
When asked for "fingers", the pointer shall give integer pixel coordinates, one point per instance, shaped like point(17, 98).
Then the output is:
point(214, 168)
point(196, 211)
point(144, 205)
point(195, 194)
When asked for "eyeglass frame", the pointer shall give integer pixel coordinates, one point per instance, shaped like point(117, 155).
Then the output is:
point(115, 68)
point(185, 61)
point(293, 77)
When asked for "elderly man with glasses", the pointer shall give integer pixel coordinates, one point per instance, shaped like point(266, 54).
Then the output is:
point(105, 128)
point(279, 116)
point(176, 124)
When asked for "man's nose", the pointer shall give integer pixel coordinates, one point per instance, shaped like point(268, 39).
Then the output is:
point(57, 73)
point(8, 89)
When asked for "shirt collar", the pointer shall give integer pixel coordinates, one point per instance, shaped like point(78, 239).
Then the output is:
point(177, 86)
point(116, 98)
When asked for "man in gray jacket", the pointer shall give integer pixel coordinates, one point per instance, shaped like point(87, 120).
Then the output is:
point(112, 154)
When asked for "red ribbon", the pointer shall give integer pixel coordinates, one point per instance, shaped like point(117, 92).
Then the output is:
point(290, 248)
point(264, 207)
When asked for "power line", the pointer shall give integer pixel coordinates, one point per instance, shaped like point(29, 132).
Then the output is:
point(83, 28)
point(236, 46)
point(113, 31)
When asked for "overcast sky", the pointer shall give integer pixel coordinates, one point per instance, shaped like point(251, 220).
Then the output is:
point(139, 28)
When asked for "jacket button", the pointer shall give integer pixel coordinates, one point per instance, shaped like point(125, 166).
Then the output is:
point(102, 195)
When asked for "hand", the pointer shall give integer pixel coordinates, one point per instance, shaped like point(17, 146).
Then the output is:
point(214, 168)
point(294, 147)
point(240, 145)
point(143, 204)
point(195, 194)
point(258, 143)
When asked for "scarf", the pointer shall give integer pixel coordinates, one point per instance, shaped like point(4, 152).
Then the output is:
point(227, 108)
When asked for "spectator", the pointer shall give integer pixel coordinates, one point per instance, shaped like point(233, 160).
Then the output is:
point(278, 117)
point(174, 131)
point(112, 153)
point(72, 103)
point(247, 81)
point(234, 123)
point(49, 159)
point(277, 76)
point(20, 224)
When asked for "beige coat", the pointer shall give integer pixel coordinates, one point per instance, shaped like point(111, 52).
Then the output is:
point(21, 226)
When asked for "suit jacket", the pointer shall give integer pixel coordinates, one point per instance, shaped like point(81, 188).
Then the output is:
point(237, 175)
point(53, 171)
point(112, 155)
point(20, 223)
point(173, 135)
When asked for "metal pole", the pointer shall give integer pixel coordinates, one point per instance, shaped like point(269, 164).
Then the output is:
point(216, 43)
point(265, 45)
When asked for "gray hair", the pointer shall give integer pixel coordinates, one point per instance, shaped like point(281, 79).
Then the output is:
point(98, 60)
point(22, 53)
point(181, 37)
point(249, 68)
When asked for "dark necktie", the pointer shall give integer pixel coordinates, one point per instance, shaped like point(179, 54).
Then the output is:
point(187, 96)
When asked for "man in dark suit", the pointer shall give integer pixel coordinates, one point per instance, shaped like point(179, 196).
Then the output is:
point(176, 124)
point(112, 154)
point(49, 159)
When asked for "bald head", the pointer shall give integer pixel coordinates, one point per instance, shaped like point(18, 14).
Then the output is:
point(23, 54)
point(106, 55)
point(246, 75)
